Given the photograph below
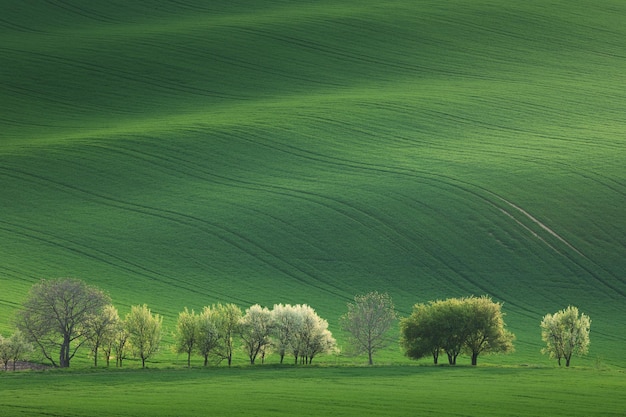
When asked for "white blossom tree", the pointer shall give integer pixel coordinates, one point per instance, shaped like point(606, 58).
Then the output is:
point(286, 320)
point(566, 333)
point(312, 336)
point(255, 328)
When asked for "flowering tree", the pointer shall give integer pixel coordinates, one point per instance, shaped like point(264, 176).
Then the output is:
point(255, 328)
point(144, 332)
point(565, 333)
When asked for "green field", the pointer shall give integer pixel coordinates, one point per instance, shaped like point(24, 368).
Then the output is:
point(183, 152)
point(341, 391)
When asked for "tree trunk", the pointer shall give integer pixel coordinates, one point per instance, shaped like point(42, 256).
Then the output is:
point(143, 362)
point(206, 359)
point(95, 357)
point(371, 362)
point(64, 354)
point(474, 358)
point(188, 359)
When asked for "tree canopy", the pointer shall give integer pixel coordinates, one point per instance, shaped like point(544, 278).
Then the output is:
point(55, 314)
point(565, 333)
point(367, 322)
point(472, 325)
point(144, 332)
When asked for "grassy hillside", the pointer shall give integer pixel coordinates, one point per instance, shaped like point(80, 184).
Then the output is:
point(179, 153)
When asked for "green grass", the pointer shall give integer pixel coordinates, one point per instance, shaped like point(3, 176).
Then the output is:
point(341, 391)
point(184, 153)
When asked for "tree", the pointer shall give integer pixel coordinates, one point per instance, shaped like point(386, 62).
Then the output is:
point(186, 335)
point(311, 336)
point(286, 320)
point(227, 319)
point(419, 333)
point(5, 353)
point(452, 327)
point(472, 325)
point(110, 335)
point(144, 332)
point(486, 332)
point(208, 335)
point(255, 328)
point(101, 331)
point(367, 321)
point(119, 343)
point(565, 333)
point(14, 348)
point(55, 314)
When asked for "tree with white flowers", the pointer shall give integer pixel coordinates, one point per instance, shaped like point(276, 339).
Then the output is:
point(255, 328)
point(566, 333)
point(312, 336)
point(286, 320)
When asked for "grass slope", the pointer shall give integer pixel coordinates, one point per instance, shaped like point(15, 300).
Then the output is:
point(179, 153)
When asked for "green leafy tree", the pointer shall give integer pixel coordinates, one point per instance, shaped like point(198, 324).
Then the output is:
point(565, 333)
point(14, 348)
point(55, 314)
point(119, 344)
point(452, 327)
point(186, 335)
point(227, 321)
point(209, 338)
point(420, 335)
point(109, 336)
point(144, 332)
point(485, 328)
point(255, 328)
point(473, 325)
point(367, 323)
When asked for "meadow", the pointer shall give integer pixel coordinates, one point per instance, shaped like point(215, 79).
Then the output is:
point(180, 153)
point(317, 391)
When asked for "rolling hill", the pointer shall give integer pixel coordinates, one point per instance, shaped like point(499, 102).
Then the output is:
point(183, 152)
